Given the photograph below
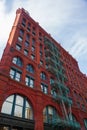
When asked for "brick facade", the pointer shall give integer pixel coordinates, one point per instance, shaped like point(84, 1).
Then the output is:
point(26, 42)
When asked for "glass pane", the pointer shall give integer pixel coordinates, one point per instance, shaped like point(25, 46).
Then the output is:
point(20, 39)
point(19, 62)
point(12, 72)
point(27, 37)
point(45, 89)
point(18, 47)
point(42, 87)
point(7, 108)
point(26, 52)
point(50, 110)
point(18, 75)
point(28, 113)
point(26, 43)
point(14, 60)
point(31, 83)
point(27, 104)
point(10, 99)
point(19, 100)
point(21, 32)
point(27, 79)
point(18, 111)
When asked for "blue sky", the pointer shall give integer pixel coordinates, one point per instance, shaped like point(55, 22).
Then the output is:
point(65, 20)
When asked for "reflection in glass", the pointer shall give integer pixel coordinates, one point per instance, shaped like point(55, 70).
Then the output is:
point(17, 105)
point(7, 108)
point(18, 111)
point(49, 114)
point(19, 100)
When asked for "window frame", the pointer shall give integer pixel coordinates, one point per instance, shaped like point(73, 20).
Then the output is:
point(15, 73)
point(28, 80)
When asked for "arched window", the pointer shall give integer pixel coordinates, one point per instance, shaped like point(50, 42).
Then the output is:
point(17, 61)
point(43, 76)
point(30, 68)
point(49, 113)
point(17, 105)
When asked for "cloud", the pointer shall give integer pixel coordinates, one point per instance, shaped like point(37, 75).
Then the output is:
point(79, 47)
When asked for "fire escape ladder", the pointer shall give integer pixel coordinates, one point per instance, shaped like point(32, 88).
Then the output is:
point(54, 65)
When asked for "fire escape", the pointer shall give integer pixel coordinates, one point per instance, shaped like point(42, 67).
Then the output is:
point(54, 65)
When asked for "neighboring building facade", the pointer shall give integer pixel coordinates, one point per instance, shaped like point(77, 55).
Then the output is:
point(41, 86)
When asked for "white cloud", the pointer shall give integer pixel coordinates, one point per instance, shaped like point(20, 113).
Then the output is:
point(79, 47)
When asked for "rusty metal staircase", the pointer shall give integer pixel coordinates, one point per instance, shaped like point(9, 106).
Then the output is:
point(54, 65)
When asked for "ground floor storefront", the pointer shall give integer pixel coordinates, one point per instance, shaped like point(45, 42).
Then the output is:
point(14, 123)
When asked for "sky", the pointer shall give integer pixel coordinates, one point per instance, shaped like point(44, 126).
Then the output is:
point(65, 20)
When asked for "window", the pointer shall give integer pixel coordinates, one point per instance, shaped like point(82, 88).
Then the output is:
point(17, 61)
point(27, 37)
point(46, 66)
point(41, 54)
point(51, 80)
point(15, 74)
point(41, 62)
point(26, 44)
point(53, 93)
point(40, 36)
point(33, 49)
point(44, 88)
point(18, 47)
point(29, 81)
point(49, 114)
point(20, 39)
point(21, 32)
point(29, 27)
point(33, 31)
point(30, 68)
point(25, 52)
point(18, 106)
point(33, 42)
point(43, 75)
point(23, 22)
point(32, 57)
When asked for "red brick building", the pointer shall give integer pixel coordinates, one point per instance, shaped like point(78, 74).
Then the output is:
point(41, 86)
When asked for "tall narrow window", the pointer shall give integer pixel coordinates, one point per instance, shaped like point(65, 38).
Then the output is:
point(44, 88)
point(33, 31)
point(20, 39)
point(29, 81)
point(24, 22)
point(49, 114)
point(43, 75)
point(21, 32)
point(33, 42)
point(27, 37)
point(29, 27)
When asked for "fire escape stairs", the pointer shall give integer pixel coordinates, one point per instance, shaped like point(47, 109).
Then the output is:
point(54, 65)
